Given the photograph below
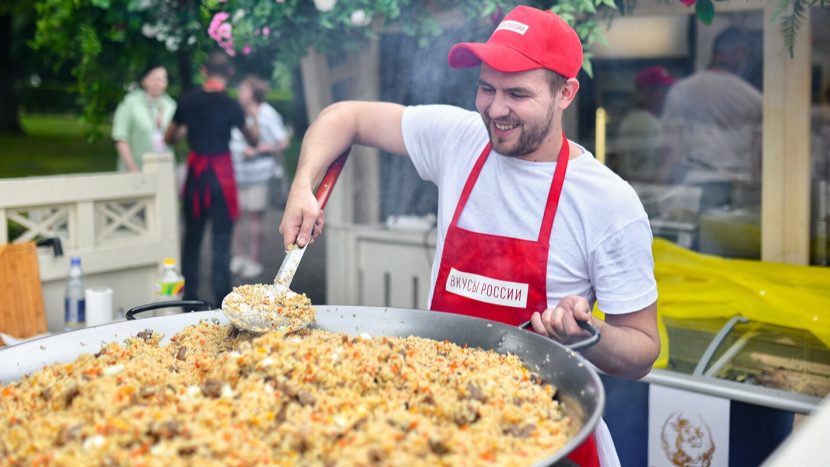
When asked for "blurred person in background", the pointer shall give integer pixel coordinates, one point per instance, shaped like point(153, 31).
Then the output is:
point(254, 167)
point(207, 115)
point(640, 135)
point(712, 123)
point(141, 119)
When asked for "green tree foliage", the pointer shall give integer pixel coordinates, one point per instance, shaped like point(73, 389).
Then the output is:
point(14, 19)
point(790, 14)
point(288, 28)
point(107, 42)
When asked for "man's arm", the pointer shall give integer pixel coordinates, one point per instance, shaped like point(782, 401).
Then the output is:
point(630, 342)
point(120, 129)
point(251, 133)
point(250, 124)
point(126, 155)
point(174, 133)
point(273, 137)
point(266, 148)
point(375, 124)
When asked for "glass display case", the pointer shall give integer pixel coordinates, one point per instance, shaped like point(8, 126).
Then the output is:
point(750, 353)
point(759, 377)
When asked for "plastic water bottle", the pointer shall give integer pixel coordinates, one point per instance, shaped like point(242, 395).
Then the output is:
point(170, 284)
point(74, 303)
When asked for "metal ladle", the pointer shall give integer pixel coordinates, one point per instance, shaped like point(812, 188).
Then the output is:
point(269, 312)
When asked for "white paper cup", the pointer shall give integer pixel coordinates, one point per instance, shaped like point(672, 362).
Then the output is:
point(98, 305)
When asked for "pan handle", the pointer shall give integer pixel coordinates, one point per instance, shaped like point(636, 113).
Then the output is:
point(188, 305)
point(584, 325)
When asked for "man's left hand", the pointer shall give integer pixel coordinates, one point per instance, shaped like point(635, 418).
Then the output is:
point(559, 322)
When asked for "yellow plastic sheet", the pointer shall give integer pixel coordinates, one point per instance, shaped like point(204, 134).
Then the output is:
point(696, 285)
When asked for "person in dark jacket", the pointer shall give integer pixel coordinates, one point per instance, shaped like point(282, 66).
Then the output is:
point(207, 115)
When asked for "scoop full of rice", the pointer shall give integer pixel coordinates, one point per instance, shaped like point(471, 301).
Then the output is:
point(265, 307)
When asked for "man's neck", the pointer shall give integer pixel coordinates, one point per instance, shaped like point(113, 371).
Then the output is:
point(214, 84)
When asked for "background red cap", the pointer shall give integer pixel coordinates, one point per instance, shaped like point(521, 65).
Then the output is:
point(525, 39)
point(653, 76)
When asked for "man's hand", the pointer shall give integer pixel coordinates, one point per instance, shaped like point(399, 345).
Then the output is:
point(303, 220)
point(630, 341)
point(560, 322)
point(337, 127)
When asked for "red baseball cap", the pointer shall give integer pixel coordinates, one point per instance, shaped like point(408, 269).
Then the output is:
point(656, 76)
point(526, 39)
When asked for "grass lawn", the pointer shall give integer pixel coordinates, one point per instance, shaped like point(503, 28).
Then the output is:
point(56, 144)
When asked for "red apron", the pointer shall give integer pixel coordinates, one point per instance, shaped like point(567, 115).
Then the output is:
point(501, 278)
point(198, 183)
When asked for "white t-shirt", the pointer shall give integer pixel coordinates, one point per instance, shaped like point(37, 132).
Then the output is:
point(718, 117)
point(600, 245)
point(259, 169)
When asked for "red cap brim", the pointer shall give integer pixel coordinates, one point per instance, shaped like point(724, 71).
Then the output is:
point(497, 56)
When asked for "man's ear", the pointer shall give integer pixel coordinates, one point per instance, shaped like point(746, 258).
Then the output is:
point(568, 93)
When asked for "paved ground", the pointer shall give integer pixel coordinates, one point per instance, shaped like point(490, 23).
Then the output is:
point(310, 278)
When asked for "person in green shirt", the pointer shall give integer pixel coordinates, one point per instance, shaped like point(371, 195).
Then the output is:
point(141, 119)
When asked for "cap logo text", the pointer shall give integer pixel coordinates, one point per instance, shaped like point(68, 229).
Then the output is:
point(514, 26)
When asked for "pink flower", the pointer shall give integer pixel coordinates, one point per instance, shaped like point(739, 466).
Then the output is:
point(246, 50)
point(215, 23)
point(266, 31)
point(224, 31)
point(218, 19)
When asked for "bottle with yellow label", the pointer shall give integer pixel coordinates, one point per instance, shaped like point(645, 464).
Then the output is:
point(170, 285)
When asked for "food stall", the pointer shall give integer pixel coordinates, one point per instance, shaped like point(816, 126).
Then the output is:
point(738, 365)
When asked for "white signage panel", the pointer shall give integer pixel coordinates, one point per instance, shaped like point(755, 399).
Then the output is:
point(687, 429)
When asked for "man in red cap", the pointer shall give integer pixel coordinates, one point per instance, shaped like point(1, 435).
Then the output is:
point(501, 177)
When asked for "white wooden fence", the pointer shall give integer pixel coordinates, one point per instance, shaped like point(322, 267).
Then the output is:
point(372, 265)
point(121, 225)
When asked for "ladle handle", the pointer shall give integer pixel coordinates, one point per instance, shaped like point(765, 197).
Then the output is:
point(584, 325)
point(330, 178)
point(187, 305)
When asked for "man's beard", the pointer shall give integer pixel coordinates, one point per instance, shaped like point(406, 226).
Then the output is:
point(531, 135)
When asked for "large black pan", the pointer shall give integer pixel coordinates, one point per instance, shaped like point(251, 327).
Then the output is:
point(579, 388)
